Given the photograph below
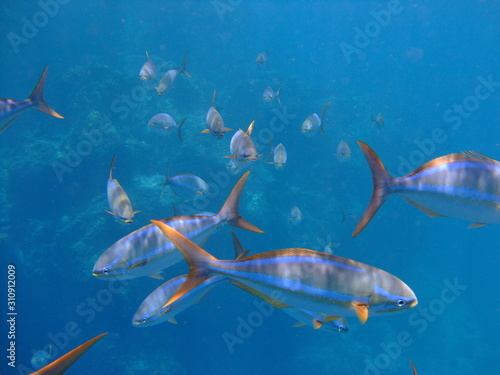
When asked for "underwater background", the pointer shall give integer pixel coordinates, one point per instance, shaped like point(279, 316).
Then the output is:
point(420, 63)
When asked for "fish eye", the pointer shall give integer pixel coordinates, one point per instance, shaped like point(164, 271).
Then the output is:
point(144, 320)
point(105, 271)
point(401, 303)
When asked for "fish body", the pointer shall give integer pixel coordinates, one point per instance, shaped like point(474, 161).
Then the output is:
point(119, 202)
point(343, 151)
point(148, 70)
point(147, 251)
point(279, 156)
point(215, 123)
point(269, 95)
point(314, 122)
point(170, 76)
point(261, 58)
point(242, 147)
point(167, 122)
point(306, 279)
point(462, 185)
point(185, 184)
point(10, 109)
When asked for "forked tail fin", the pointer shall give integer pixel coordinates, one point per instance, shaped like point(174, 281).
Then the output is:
point(36, 97)
point(179, 126)
point(230, 208)
point(381, 183)
point(182, 69)
point(59, 366)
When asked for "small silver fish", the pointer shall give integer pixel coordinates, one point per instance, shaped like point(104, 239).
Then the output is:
point(261, 58)
point(378, 119)
point(12, 109)
point(242, 147)
point(343, 151)
point(165, 121)
point(186, 185)
point(295, 215)
point(313, 122)
point(119, 202)
point(169, 77)
point(279, 156)
point(269, 95)
point(148, 70)
point(215, 124)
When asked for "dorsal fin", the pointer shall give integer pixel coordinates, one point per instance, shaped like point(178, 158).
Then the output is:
point(477, 155)
point(213, 98)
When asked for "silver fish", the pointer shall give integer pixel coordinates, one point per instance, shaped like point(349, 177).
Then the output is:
point(215, 124)
point(165, 121)
point(462, 185)
point(343, 151)
point(269, 95)
point(242, 147)
point(313, 122)
point(295, 215)
point(279, 156)
point(119, 202)
point(261, 58)
point(169, 77)
point(148, 70)
point(12, 109)
point(186, 185)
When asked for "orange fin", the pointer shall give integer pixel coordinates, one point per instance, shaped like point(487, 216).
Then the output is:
point(173, 321)
point(317, 323)
point(139, 263)
point(477, 225)
point(413, 368)
point(59, 366)
point(206, 131)
point(250, 128)
point(37, 97)
point(273, 302)
point(332, 318)
point(298, 324)
point(422, 208)
point(361, 311)
point(157, 276)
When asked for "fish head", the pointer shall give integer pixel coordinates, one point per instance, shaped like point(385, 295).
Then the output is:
point(111, 265)
point(146, 318)
point(391, 295)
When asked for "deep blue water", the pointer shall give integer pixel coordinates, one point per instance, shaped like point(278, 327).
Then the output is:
point(426, 58)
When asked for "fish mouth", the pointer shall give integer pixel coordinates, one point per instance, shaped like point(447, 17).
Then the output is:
point(413, 303)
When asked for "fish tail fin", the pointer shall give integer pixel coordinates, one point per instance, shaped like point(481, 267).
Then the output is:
point(59, 366)
point(36, 97)
point(198, 259)
point(182, 69)
point(322, 126)
point(230, 208)
point(381, 183)
point(213, 98)
point(111, 167)
point(179, 126)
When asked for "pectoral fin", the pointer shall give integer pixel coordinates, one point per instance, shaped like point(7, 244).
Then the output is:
point(422, 208)
point(476, 225)
point(138, 264)
point(361, 310)
point(317, 324)
point(157, 276)
point(298, 324)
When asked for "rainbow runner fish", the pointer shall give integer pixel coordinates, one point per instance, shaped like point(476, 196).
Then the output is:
point(463, 185)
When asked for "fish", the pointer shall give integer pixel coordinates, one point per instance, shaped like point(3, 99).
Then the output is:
point(269, 95)
point(187, 184)
point(462, 185)
point(378, 119)
point(10, 109)
point(42, 357)
point(242, 147)
point(165, 121)
point(148, 70)
point(343, 151)
point(313, 122)
point(295, 215)
point(413, 369)
point(151, 311)
point(262, 58)
point(306, 279)
point(169, 77)
point(279, 156)
point(147, 251)
point(59, 366)
point(119, 202)
point(215, 123)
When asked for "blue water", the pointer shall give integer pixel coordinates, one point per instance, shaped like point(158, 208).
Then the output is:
point(419, 62)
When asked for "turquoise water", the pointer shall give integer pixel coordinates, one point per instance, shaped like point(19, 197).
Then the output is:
point(414, 62)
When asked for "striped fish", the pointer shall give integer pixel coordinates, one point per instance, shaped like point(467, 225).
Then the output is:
point(119, 202)
point(215, 123)
point(186, 185)
point(12, 109)
point(463, 185)
point(60, 365)
point(306, 279)
point(147, 251)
